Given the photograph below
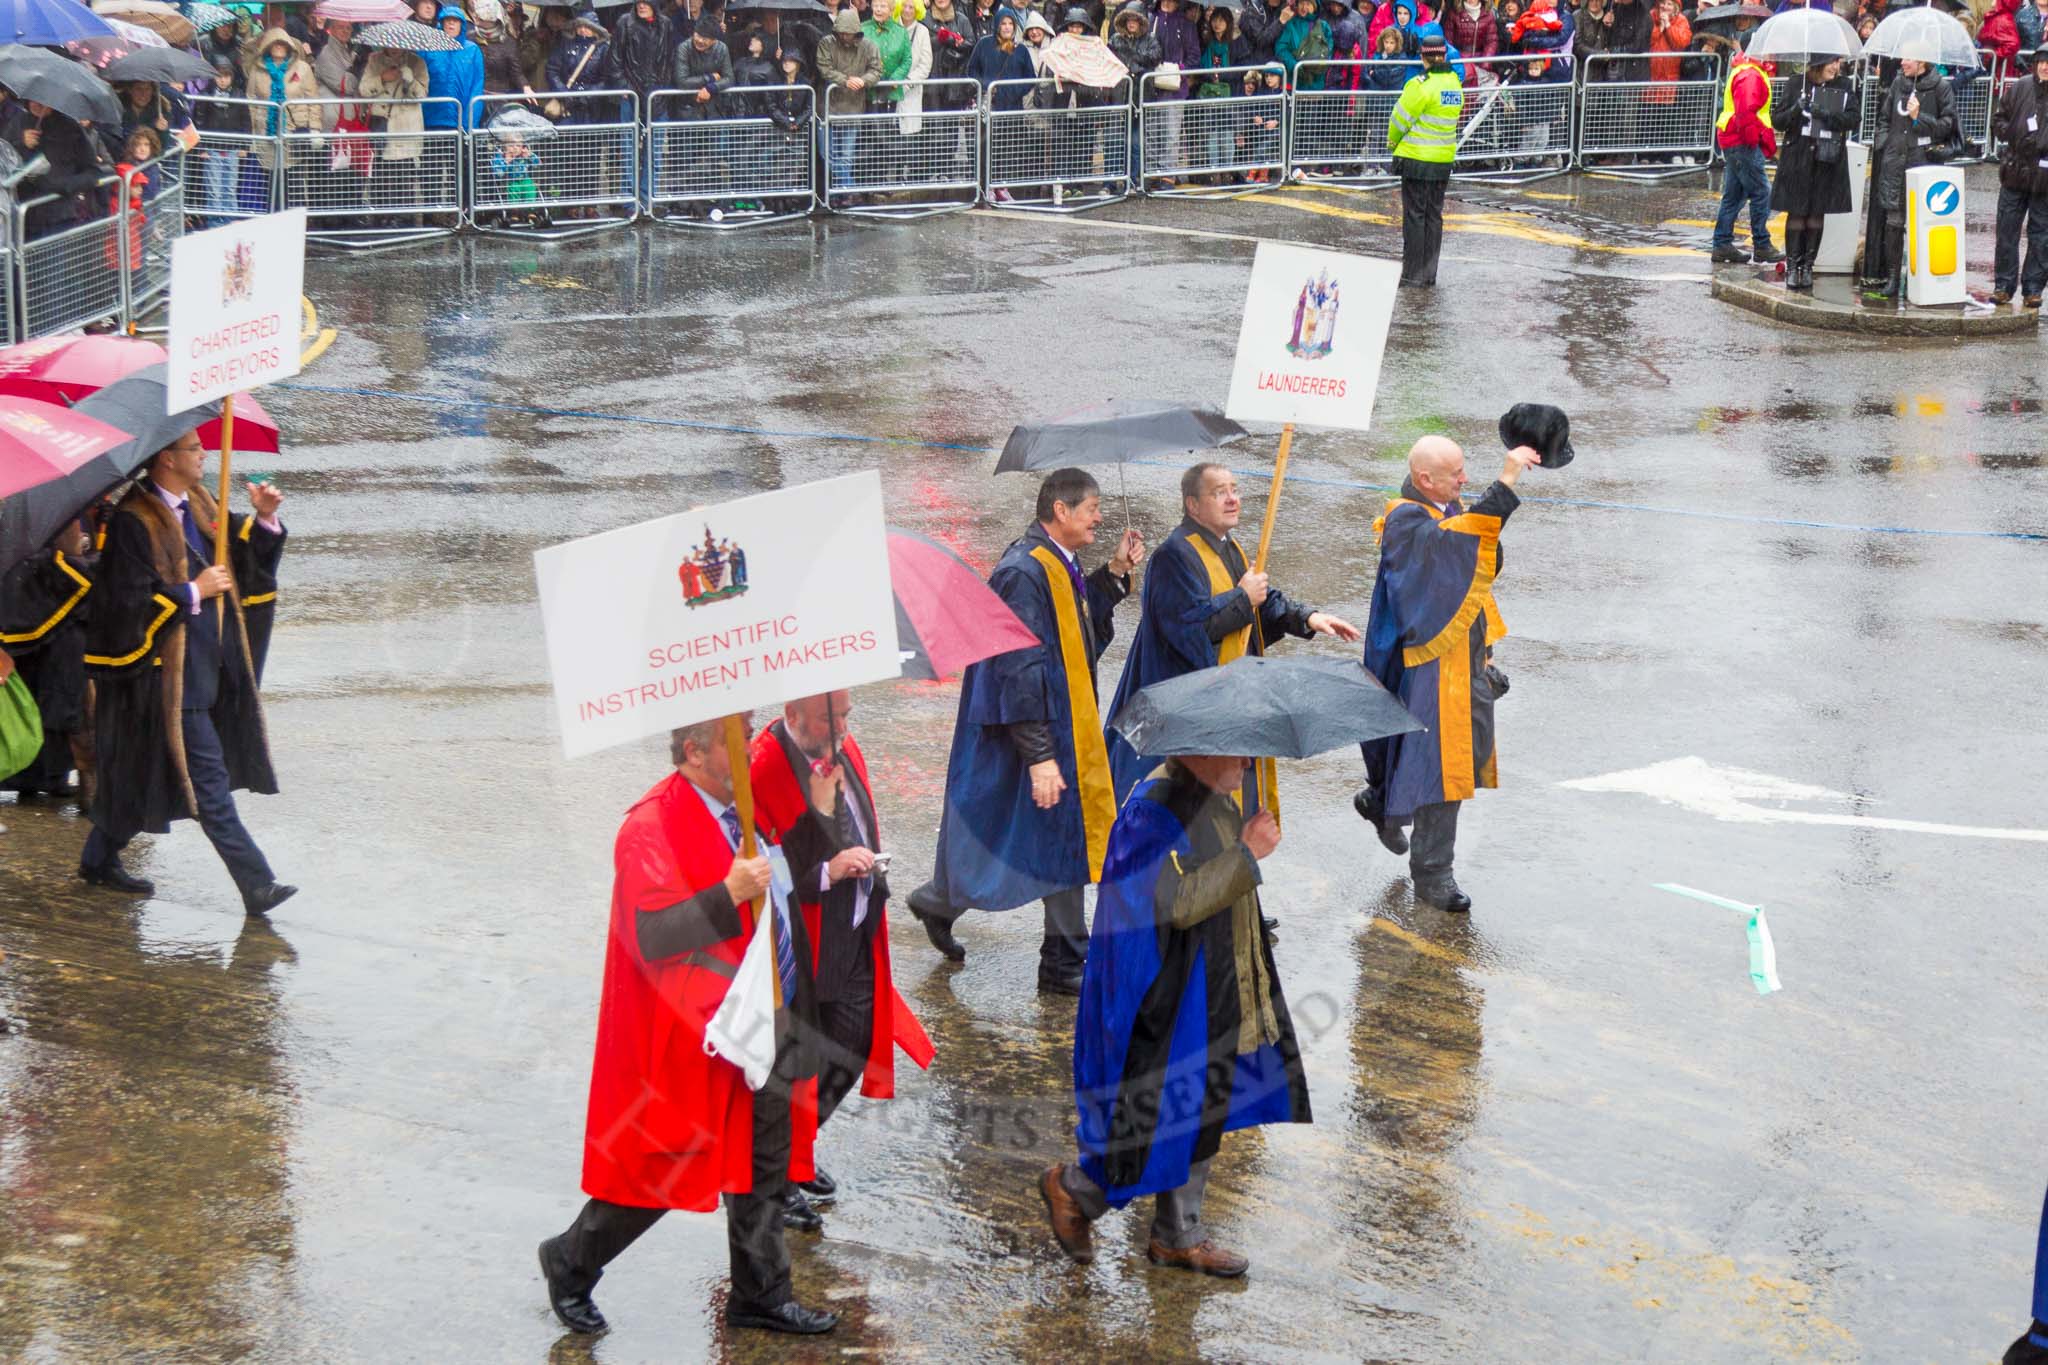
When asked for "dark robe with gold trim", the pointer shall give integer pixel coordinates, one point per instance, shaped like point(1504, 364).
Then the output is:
point(43, 602)
point(135, 653)
point(1194, 616)
point(1433, 621)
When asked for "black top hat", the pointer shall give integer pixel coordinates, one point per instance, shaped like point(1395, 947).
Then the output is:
point(1541, 427)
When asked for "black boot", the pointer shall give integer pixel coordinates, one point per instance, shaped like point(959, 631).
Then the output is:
point(1795, 251)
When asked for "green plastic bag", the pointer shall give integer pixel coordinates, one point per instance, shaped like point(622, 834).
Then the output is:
point(21, 727)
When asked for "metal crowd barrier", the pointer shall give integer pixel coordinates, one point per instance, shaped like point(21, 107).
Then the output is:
point(738, 167)
point(1066, 149)
point(234, 169)
point(1976, 97)
point(1339, 133)
point(1514, 128)
point(584, 176)
point(1645, 129)
point(147, 235)
point(363, 189)
point(10, 323)
point(1225, 139)
point(74, 276)
point(933, 156)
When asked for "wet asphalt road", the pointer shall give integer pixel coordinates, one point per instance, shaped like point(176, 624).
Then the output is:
point(1567, 1128)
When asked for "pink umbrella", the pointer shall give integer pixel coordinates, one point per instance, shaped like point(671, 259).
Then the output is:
point(362, 11)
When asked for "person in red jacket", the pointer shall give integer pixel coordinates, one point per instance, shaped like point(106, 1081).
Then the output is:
point(670, 1125)
point(811, 783)
point(1471, 28)
point(1744, 132)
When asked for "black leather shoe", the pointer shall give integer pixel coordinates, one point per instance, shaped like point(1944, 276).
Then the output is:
point(1730, 255)
point(936, 927)
point(1059, 985)
point(1768, 255)
point(1444, 896)
point(267, 898)
point(820, 1188)
point(791, 1317)
point(797, 1213)
point(114, 877)
point(2025, 1351)
point(1368, 808)
point(572, 1306)
point(1270, 925)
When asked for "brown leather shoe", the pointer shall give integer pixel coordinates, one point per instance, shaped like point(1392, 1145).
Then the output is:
point(1069, 1224)
point(1208, 1258)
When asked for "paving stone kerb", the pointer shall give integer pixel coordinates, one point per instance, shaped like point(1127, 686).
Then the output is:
point(1774, 301)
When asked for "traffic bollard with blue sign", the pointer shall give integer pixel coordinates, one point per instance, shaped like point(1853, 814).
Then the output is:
point(1934, 235)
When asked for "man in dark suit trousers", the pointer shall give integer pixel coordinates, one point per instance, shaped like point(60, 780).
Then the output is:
point(160, 645)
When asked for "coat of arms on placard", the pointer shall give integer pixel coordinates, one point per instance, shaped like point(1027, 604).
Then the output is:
point(1315, 318)
point(713, 572)
point(238, 274)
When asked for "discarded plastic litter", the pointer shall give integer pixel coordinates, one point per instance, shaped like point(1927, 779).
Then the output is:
point(1763, 954)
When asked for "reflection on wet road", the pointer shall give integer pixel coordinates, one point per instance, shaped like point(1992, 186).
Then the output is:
point(1567, 1129)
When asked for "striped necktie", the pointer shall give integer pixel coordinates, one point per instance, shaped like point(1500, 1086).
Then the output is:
point(785, 949)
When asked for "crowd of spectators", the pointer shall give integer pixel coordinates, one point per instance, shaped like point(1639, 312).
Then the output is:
point(367, 142)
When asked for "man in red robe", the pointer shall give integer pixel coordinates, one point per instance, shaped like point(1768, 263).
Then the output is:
point(671, 1126)
point(811, 783)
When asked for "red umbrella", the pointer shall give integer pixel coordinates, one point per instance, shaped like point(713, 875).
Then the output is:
point(41, 443)
point(946, 616)
point(66, 369)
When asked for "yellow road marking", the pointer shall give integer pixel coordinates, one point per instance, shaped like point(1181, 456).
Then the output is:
point(1417, 941)
point(312, 329)
point(1490, 225)
point(1540, 194)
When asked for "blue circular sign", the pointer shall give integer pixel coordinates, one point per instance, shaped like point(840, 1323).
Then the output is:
point(1944, 197)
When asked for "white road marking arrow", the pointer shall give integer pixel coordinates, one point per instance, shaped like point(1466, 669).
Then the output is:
point(1730, 793)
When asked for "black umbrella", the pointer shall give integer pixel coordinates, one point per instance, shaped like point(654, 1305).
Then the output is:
point(786, 6)
point(135, 403)
point(64, 85)
point(1255, 707)
point(1119, 430)
point(166, 65)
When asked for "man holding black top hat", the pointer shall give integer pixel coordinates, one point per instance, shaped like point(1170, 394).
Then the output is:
point(1429, 640)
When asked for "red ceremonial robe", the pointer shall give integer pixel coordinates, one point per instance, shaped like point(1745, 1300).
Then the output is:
point(670, 1126)
point(779, 802)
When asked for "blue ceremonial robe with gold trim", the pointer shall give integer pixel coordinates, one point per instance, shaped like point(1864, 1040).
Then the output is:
point(1194, 616)
point(1433, 621)
point(997, 849)
point(1158, 1077)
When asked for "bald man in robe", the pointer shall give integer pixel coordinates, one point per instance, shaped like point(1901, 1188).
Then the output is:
point(1429, 641)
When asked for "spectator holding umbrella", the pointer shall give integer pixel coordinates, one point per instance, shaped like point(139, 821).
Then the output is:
point(1920, 114)
point(77, 163)
point(643, 48)
point(1815, 116)
point(393, 82)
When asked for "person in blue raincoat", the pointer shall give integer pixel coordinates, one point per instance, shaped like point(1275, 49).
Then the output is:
point(2032, 1347)
point(1183, 1033)
point(457, 75)
point(1204, 605)
point(1028, 804)
point(1429, 640)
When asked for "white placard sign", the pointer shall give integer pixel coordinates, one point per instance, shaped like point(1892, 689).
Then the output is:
point(235, 294)
point(1315, 325)
point(719, 609)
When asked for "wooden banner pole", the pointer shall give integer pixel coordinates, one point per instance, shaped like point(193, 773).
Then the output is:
point(743, 802)
point(1273, 497)
point(220, 508)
